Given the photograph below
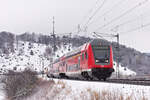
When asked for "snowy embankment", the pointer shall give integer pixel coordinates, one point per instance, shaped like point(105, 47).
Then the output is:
point(77, 90)
point(124, 72)
point(104, 89)
point(2, 94)
point(26, 55)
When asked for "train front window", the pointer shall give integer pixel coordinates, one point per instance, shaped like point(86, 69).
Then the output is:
point(101, 54)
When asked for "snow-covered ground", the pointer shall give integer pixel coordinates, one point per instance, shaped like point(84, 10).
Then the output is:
point(124, 72)
point(78, 90)
point(2, 94)
point(83, 90)
point(27, 55)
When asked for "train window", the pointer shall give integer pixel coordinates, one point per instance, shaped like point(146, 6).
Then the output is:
point(101, 54)
point(63, 64)
point(86, 56)
point(82, 56)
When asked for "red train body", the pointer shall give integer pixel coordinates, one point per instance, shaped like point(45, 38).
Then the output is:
point(91, 60)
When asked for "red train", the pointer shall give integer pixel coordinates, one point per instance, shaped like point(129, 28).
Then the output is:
point(91, 60)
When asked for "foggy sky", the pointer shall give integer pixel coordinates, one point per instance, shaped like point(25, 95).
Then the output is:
point(19, 16)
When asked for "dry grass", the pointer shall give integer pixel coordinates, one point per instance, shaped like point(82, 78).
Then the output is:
point(51, 90)
point(55, 90)
point(61, 83)
point(61, 91)
point(19, 84)
point(107, 95)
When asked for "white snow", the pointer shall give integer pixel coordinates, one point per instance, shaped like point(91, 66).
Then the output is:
point(2, 94)
point(22, 57)
point(136, 92)
point(124, 72)
point(63, 50)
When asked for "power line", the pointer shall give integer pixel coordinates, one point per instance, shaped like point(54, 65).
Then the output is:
point(90, 18)
point(98, 35)
point(125, 23)
point(137, 28)
point(106, 34)
point(123, 14)
point(89, 12)
point(85, 17)
point(116, 5)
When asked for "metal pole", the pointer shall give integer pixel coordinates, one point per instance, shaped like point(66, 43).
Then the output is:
point(42, 67)
point(53, 34)
point(53, 25)
point(118, 57)
point(69, 41)
point(78, 28)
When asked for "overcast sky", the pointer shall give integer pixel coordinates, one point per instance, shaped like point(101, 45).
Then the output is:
point(105, 16)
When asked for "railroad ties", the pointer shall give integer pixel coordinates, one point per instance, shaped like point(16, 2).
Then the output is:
point(118, 81)
point(130, 81)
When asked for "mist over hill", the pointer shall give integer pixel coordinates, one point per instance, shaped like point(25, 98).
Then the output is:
point(128, 57)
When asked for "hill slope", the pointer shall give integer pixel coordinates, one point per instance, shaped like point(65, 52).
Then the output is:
point(129, 57)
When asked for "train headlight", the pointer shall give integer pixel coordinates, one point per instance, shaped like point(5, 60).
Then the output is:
point(106, 61)
point(97, 61)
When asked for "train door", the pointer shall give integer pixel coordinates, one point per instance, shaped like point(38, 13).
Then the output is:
point(63, 66)
point(79, 62)
point(66, 67)
point(86, 59)
point(82, 62)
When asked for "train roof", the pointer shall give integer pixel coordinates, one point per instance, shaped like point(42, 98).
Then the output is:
point(99, 42)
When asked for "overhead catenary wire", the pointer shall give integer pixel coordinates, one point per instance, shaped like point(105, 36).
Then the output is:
point(136, 28)
point(108, 11)
point(98, 35)
point(90, 18)
point(122, 24)
point(123, 14)
point(85, 17)
point(126, 22)
point(105, 34)
point(89, 12)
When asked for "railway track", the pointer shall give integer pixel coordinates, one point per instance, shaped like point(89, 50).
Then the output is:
point(130, 81)
point(142, 82)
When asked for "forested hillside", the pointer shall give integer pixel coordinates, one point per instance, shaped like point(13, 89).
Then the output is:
point(128, 57)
